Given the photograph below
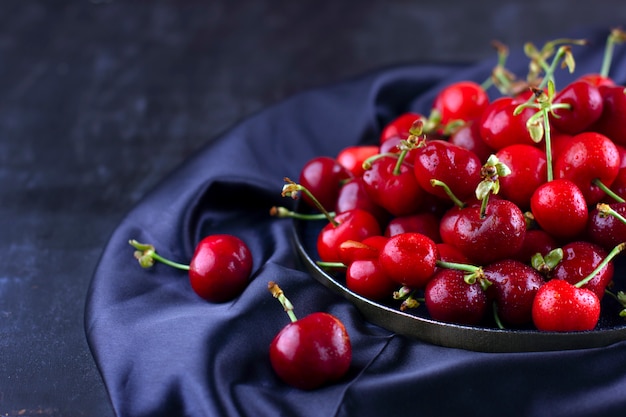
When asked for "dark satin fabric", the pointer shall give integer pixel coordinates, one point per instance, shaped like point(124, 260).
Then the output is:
point(163, 351)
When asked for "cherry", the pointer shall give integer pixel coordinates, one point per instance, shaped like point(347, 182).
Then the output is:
point(613, 115)
point(352, 157)
point(496, 234)
point(513, 288)
point(399, 127)
point(456, 167)
point(500, 127)
point(219, 269)
point(354, 224)
point(604, 228)
point(323, 176)
point(425, 223)
point(559, 207)
point(368, 248)
point(468, 137)
point(528, 171)
point(367, 278)
point(581, 258)
point(535, 241)
point(587, 158)
point(353, 195)
point(449, 298)
point(310, 352)
point(391, 184)
point(582, 106)
point(560, 306)
point(409, 259)
point(462, 100)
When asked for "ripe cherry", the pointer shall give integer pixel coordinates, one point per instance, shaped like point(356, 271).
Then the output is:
point(605, 229)
point(584, 107)
point(309, 352)
point(449, 298)
point(468, 137)
point(323, 176)
point(354, 224)
point(367, 278)
point(425, 223)
point(587, 158)
point(613, 115)
point(399, 127)
point(559, 207)
point(409, 259)
point(500, 127)
point(353, 195)
point(219, 270)
point(352, 157)
point(528, 171)
point(560, 306)
point(462, 100)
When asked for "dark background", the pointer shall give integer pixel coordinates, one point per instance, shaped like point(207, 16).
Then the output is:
point(99, 100)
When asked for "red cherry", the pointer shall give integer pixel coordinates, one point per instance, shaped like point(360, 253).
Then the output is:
point(484, 239)
point(409, 259)
point(425, 223)
point(368, 248)
point(219, 270)
point(457, 167)
point(528, 171)
point(559, 306)
point(352, 157)
point(393, 187)
point(462, 100)
point(580, 258)
point(613, 116)
point(606, 230)
point(535, 241)
point(367, 278)
point(323, 176)
point(353, 195)
point(312, 351)
point(399, 127)
point(597, 80)
point(354, 224)
point(468, 137)
point(450, 299)
point(220, 267)
point(560, 209)
point(585, 107)
point(587, 157)
point(513, 288)
point(500, 127)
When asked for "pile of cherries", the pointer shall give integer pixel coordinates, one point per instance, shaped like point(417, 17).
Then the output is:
point(508, 210)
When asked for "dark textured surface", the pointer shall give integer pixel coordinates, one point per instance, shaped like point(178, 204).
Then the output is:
point(99, 100)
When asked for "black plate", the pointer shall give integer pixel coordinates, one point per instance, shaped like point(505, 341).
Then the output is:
point(416, 323)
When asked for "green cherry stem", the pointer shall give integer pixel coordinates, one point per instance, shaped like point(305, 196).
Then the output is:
point(614, 252)
point(284, 212)
point(608, 191)
point(291, 189)
point(616, 36)
point(437, 183)
point(277, 293)
point(474, 273)
point(146, 255)
point(324, 264)
point(607, 210)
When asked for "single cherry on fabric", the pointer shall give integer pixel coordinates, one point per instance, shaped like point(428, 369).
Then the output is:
point(310, 352)
point(219, 270)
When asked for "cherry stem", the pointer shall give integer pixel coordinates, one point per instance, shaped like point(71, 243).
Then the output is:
point(367, 164)
point(614, 252)
point(324, 264)
point(277, 293)
point(474, 273)
point(548, 144)
point(291, 189)
point(496, 317)
point(448, 191)
point(283, 212)
point(616, 36)
point(607, 210)
point(608, 191)
point(146, 255)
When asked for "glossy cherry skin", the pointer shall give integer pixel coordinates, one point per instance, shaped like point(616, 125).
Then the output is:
point(589, 156)
point(354, 195)
point(457, 167)
point(366, 278)
point(220, 268)
point(448, 298)
point(461, 100)
point(528, 171)
point(409, 259)
point(561, 307)
point(596, 79)
point(607, 231)
point(613, 118)
point(585, 103)
point(399, 194)
point(513, 289)
point(468, 137)
point(425, 223)
point(354, 224)
point(399, 127)
point(312, 351)
point(368, 248)
point(497, 235)
point(559, 207)
point(580, 258)
point(323, 176)
point(500, 127)
point(352, 157)
point(535, 241)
